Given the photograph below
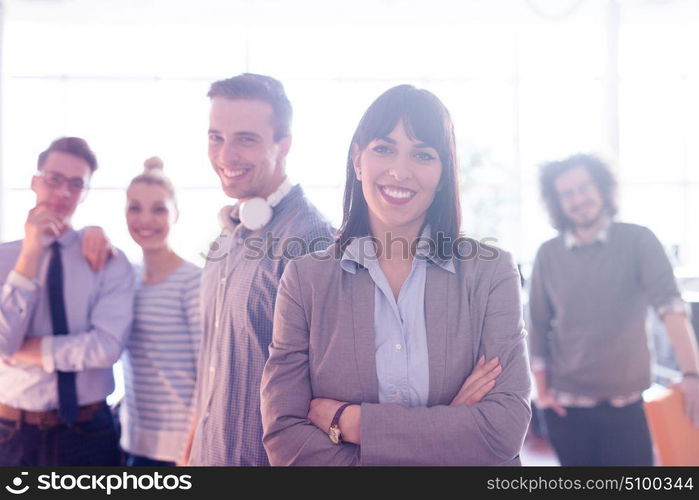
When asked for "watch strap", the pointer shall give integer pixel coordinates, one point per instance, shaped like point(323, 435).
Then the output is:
point(336, 419)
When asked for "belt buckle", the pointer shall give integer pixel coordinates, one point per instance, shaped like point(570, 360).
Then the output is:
point(45, 421)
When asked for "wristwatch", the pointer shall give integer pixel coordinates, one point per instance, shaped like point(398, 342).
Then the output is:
point(334, 432)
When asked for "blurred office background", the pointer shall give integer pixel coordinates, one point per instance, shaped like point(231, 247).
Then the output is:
point(526, 81)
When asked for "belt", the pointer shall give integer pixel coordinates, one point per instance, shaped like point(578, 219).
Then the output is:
point(50, 418)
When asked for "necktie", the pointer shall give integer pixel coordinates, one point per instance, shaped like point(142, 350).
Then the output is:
point(67, 393)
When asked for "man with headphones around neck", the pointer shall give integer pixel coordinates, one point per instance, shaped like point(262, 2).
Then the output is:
point(271, 223)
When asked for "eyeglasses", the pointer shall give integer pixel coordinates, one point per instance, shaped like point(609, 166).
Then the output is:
point(582, 189)
point(54, 180)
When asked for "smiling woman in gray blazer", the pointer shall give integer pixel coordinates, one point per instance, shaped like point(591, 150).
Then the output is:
point(403, 343)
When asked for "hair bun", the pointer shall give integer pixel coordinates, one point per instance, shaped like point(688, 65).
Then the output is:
point(154, 163)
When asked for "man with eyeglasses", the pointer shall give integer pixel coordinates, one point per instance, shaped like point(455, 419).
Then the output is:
point(63, 325)
point(589, 296)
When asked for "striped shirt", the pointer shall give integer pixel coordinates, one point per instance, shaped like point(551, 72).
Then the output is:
point(160, 365)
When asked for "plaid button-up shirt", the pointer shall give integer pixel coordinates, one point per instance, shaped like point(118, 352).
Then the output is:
point(239, 288)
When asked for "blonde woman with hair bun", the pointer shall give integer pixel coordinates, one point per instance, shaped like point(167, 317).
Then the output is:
point(161, 355)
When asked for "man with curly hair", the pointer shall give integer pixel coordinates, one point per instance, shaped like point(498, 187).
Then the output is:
point(590, 290)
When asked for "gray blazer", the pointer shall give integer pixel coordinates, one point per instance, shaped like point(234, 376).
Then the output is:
point(323, 347)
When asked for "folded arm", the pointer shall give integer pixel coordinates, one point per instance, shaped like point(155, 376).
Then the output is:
point(489, 432)
point(289, 437)
point(17, 299)
point(110, 324)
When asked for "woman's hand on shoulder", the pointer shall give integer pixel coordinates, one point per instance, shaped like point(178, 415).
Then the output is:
point(96, 247)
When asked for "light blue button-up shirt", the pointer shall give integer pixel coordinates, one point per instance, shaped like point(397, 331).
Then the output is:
point(99, 309)
point(400, 333)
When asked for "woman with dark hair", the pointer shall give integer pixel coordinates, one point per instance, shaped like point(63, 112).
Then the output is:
point(391, 347)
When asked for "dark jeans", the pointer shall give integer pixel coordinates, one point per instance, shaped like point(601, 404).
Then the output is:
point(602, 435)
point(140, 461)
point(88, 443)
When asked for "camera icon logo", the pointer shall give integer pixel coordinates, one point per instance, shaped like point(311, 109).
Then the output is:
point(17, 483)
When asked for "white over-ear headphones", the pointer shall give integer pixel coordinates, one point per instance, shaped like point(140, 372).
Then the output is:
point(255, 213)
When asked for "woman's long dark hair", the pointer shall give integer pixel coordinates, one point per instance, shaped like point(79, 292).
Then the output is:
point(426, 119)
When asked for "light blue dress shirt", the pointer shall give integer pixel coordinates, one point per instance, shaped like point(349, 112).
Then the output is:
point(402, 362)
point(99, 309)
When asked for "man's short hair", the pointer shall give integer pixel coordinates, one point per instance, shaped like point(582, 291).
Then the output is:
point(599, 171)
point(73, 146)
point(260, 87)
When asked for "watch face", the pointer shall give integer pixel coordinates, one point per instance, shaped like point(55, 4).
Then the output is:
point(334, 434)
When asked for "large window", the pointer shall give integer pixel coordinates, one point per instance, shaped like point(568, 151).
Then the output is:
point(526, 81)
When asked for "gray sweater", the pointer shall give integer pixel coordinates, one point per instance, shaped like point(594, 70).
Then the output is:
point(588, 307)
